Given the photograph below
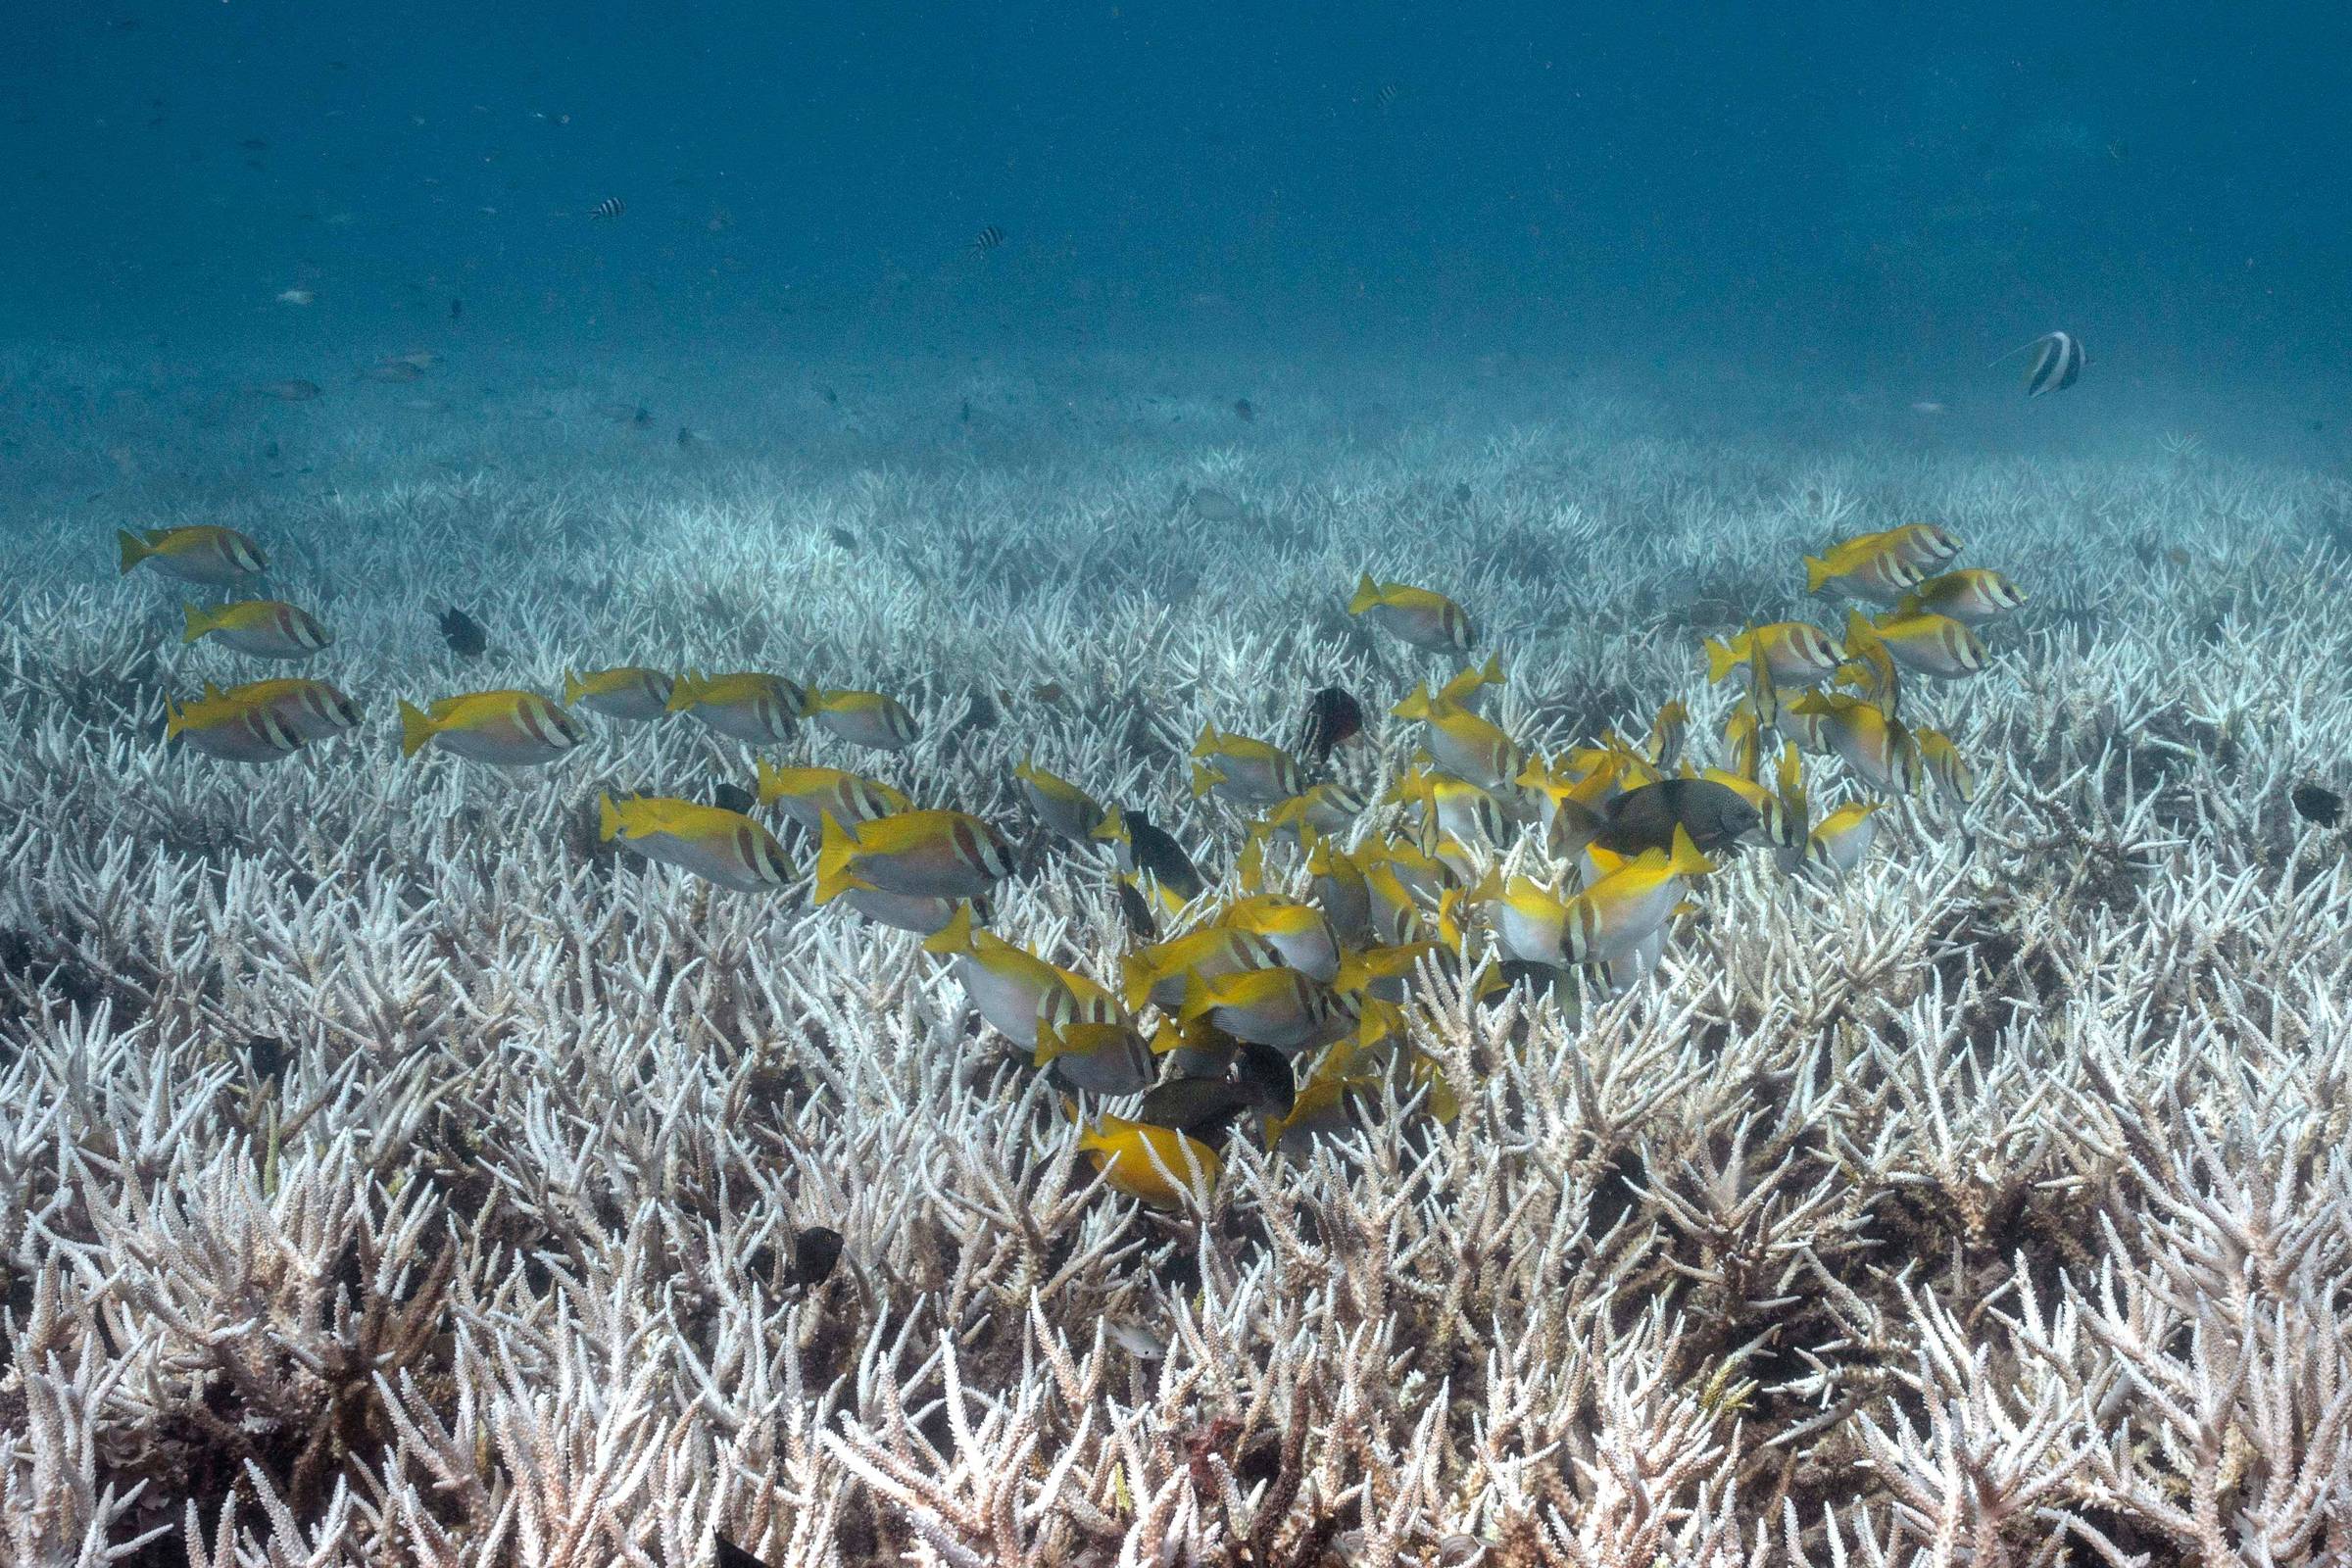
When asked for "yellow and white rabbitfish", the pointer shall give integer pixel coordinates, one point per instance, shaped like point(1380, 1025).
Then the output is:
point(1796, 653)
point(515, 729)
point(234, 729)
point(748, 705)
point(625, 691)
point(1611, 918)
point(1248, 773)
point(1868, 568)
point(808, 794)
point(265, 628)
point(1087, 1041)
point(1060, 804)
point(1921, 642)
point(1007, 985)
point(1972, 597)
point(864, 718)
point(1463, 743)
point(709, 840)
point(943, 855)
point(311, 709)
point(205, 554)
point(1417, 616)
point(1845, 836)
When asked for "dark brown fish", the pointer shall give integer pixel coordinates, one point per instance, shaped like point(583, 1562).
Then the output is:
point(724, 1553)
point(1161, 855)
point(1332, 719)
point(1644, 818)
point(842, 538)
point(463, 634)
point(1243, 411)
point(1137, 915)
point(1260, 1081)
point(265, 1057)
point(2315, 804)
point(457, 309)
point(734, 797)
point(815, 1251)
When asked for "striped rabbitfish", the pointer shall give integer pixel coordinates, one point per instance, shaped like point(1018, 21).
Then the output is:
point(265, 628)
point(1610, 919)
point(1425, 618)
point(1461, 742)
point(1060, 804)
point(864, 718)
point(234, 729)
point(1845, 836)
point(810, 794)
point(1798, 653)
point(1158, 974)
point(1007, 985)
point(749, 706)
point(1085, 1040)
point(515, 729)
point(311, 709)
point(625, 691)
point(1972, 596)
point(1245, 771)
point(708, 841)
point(1920, 543)
point(1871, 742)
point(1157, 1167)
point(204, 552)
point(1278, 1007)
point(1869, 568)
point(1924, 643)
point(931, 853)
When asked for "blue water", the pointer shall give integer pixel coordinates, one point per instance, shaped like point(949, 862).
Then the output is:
point(1841, 199)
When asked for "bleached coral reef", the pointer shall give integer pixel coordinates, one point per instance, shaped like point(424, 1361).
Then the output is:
point(390, 1174)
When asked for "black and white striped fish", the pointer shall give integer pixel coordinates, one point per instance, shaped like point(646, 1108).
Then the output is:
point(988, 239)
point(1386, 96)
point(609, 207)
point(2058, 361)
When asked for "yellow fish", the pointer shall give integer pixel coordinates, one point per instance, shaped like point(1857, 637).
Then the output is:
point(810, 794)
point(1249, 773)
point(1845, 836)
point(1328, 808)
point(1529, 921)
point(944, 855)
point(1927, 644)
point(1087, 1041)
point(1871, 742)
point(1159, 973)
point(265, 628)
point(1300, 934)
point(864, 718)
point(233, 729)
point(1919, 544)
point(747, 706)
point(1453, 808)
point(1609, 920)
point(1007, 984)
point(1336, 882)
point(1416, 615)
point(511, 727)
point(1060, 804)
point(1664, 748)
point(1278, 1008)
point(709, 840)
point(1971, 596)
point(625, 691)
point(1947, 766)
point(1461, 742)
point(205, 554)
point(1797, 653)
point(1158, 1166)
point(312, 710)
point(1867, 568)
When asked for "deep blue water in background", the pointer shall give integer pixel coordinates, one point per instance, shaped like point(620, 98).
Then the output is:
point(1831, 196)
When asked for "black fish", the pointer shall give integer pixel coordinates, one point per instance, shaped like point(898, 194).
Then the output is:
point(1260, 1081)
point(265, 1057)
point(832, 398)
point(1161, 855)
point(1136, 914)
point(1243, 410)
point(1644, 818)
point(815, 1251)
point(724, 1553)
point(1332, 716)
point(2315, 804)
point(843, 538)
point(988, 239)
point(965, 418)
point(734, 797)
point(457, 308)
point(687, 438)
point(463, 633)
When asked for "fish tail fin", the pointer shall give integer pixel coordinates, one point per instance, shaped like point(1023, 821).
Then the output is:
point(607, 819)
point(767, 782)
point(1206, 745)
point(416, 728)
point(175, 719)
point(132, 547)
point(1136, 977)
point(685, 690)
point(1723, 656)
point(1204, 779)
point(1416, 704)
point(1366, 595)
point(1860, 634)
point(1197, 998)
point(196, 620)
point(1250, 866)
point(835, 850)
point(1050, 1044)
point(1817, 572)
point(1685, 859)
point(955, 936)
point(574, 691)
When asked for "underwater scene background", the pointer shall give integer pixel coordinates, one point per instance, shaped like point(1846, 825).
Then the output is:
point(1146, 783)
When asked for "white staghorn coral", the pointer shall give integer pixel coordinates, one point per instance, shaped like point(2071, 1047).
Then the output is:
point(392, 1175)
